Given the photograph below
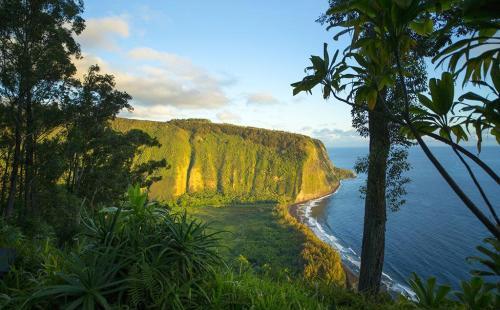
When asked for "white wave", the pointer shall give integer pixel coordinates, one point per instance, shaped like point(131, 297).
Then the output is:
point(348, 255)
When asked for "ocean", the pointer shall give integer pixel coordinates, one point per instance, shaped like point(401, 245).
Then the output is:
point(432, 234)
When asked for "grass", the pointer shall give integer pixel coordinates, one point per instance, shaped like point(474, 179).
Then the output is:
point(269, 254)
point(256, 233)
point(272, 242)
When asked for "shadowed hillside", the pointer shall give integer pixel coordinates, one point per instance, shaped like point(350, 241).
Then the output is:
point(222, 163)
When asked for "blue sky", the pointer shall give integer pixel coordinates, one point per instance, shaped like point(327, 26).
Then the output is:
point(227, 61)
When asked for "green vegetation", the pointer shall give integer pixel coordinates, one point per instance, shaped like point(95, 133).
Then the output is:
point(76, 240)
point(272, 242)
point(381, 75)
point(254, 233)
point(143, 255)
point(214, 164)
point(138, 255)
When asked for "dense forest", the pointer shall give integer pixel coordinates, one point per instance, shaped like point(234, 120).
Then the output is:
point(99, 212)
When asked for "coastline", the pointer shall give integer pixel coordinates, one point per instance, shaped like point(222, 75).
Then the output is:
point(352, 278)
point(303, 212)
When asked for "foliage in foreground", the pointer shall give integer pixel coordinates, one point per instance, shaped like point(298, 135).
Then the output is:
point(482, 291)
point(138, 255)
point(142, 255)
point(386, 37)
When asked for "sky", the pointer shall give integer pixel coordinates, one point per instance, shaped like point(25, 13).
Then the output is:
point(230, 61)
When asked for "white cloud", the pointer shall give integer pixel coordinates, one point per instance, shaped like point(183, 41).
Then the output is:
point(262, 98)
point(157, 113)
point(156, 78)
point(227, 117)
point(176, 64)
point(83, 64)
point(102, 32)
point(336, 137)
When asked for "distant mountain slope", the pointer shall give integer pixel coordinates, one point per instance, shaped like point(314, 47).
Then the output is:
point(244, 163)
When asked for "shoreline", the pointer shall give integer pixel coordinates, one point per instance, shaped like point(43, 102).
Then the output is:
point(352, 278)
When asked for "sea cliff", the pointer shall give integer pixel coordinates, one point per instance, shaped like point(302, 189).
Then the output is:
point(245, 164)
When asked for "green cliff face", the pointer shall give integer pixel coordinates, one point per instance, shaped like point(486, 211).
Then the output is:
point(243, 163)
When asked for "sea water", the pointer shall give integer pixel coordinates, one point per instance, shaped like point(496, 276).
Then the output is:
point(431, 235)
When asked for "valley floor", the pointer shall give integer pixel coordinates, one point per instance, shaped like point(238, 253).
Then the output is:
point(258, 234)
point(262, 237)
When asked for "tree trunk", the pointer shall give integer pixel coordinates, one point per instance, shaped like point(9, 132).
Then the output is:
point(22, 184)
point(372, 255)
point(29, 151)
point(5, 177)
point(15, 167)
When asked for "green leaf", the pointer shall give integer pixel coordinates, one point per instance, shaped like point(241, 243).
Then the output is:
point(473, 96)
point(326, 57)
point(479, 134)
point(444, 134)
point(496, 133)
point(335, 56)
point(486, 33)
point(459, 133)
point(495, 74)
point(361, 94)
point(318, 63)
point(359, 59)
point(422, 28)
point(455, 46)
point(385, 81)
point(340, 33)
point(371, 98)
point(395, 14)
point(340, 8)
point(442, 93)
point(425, 101)
point(442, 292)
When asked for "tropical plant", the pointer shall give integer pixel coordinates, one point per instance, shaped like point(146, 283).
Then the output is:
point(490, 259)
point(90, 280)
point(385, 36)
point(138, 254)
point(438, 114)
point(428, 294)
point(367, 73)
point(476, 294)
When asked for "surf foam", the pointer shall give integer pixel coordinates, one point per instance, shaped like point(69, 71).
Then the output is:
point(347, 254)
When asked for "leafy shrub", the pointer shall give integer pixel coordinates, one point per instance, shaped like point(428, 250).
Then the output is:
point(480, 292)
point(490, 259)
point(138, 255)
point(322, 262)
point(89, 279)
point(428, 294)
point(61, 211)
point(249, 291)
point(476, 295)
